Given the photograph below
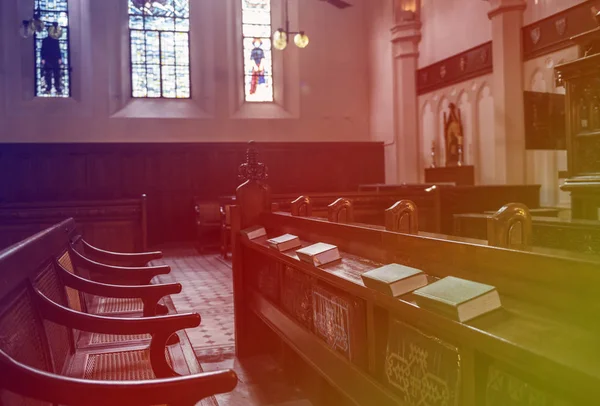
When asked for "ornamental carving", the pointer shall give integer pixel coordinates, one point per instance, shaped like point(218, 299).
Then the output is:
point(561, 26)
point(535, 34)
point(423, 370)
point(252, 169)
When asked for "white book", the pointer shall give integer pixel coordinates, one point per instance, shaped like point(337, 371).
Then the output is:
point(284, 242)
point(254, 232)
point(319, 254)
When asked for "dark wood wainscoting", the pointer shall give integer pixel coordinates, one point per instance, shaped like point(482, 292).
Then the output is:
point(170, 174)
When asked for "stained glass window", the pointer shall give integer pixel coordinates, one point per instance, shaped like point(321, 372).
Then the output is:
point(258, 65)
point(52, 76)
point(160, 48)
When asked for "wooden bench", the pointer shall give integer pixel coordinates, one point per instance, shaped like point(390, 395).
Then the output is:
point(124, 361)
point(377, 350)
point(550, 232)
point(437, 203)
point(119, 224)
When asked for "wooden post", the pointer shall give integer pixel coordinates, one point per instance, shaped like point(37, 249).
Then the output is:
point(144, 223)
point(252, 198)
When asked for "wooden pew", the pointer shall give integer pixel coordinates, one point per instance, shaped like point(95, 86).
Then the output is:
point(555, 233)
point(379, 350)
point(437, 203)
point(119, 224)
point(39, 358)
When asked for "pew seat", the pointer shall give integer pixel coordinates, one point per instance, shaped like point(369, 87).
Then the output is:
point(126, 361)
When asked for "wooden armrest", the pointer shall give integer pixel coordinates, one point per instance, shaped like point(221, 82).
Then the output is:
point(161, 328)
point(150, 294)
point(186, 390)
point(113, 325)
point(119, 275)
point(119, 258)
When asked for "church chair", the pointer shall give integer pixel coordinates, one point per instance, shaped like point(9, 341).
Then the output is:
point(114, 258)
point(35, 383)
point(76, 263)
point(39, 349)
point(225, 229)
point(208, 223)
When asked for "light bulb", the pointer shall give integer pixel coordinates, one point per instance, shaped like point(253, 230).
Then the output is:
point(280, 39)
point(301, 40)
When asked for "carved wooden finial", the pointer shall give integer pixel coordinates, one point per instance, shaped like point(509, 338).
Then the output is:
point(252, 169)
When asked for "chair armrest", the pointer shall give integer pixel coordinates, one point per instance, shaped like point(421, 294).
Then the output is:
point(150, 294)
point(113, 325)
point(187, 390)
point(161, 328)
point(119, 275)
point(118, 258)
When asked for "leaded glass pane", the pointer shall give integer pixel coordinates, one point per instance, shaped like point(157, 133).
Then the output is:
point(258, 65)
point(52, 76)
point(256, 30)
point(160, 55)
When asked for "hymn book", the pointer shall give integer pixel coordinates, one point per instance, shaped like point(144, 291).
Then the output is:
point(394, 279)
point(254, 232)
point(319, 254)
point(284, 242)
point(458, 298)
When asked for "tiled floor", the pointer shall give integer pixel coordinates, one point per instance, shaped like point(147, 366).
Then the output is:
point(207, 289)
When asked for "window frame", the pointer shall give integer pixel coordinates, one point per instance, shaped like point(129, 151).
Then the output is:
point(37, 69)
point(189, 61)
point(272, 50)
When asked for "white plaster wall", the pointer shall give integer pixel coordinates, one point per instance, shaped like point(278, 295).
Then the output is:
point(323, 89)
point(474, 99)
point(543, 165)
point(452, 26)
point(540, 9)
point(381, 79)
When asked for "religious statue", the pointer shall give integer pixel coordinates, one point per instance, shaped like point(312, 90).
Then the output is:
point(258, 69)
point(52, 59)
point(453, 136)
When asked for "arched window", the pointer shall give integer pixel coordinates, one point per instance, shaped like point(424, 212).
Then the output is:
point(160, 48)
point(52, 77)
point(258, 63)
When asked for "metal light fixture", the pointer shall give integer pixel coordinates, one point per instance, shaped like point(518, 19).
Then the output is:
point(280, 36)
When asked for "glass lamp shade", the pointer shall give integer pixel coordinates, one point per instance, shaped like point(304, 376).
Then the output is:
point(279, 40)
point(301, 40)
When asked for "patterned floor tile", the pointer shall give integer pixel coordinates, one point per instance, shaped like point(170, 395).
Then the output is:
point(207, 288)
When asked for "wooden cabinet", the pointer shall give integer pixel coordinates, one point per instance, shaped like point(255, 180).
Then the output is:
point(581, 79)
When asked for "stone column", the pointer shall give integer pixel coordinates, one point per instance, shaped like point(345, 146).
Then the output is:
point(406, 35)
point(509, 123)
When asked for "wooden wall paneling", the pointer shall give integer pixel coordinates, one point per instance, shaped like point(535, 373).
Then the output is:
point(171, 174)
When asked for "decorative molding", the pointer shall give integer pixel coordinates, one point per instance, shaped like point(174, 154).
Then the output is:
point(458, 68)
point(552, 33)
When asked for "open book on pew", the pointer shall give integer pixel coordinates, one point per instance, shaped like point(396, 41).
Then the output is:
point(254, 232)
point(394, 279)
point(458, 298)
point(319, 254)
point(284, 242)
